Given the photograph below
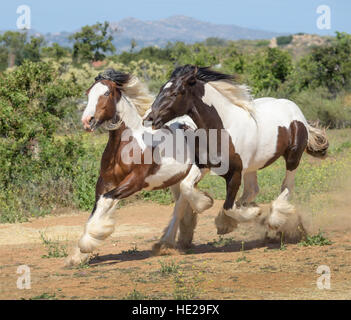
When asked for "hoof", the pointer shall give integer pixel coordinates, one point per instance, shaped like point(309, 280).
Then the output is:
point(284, 220)
point(244, 214)
point(163, 249)
point(224, 223)
point(185, 244)
point(76, 258)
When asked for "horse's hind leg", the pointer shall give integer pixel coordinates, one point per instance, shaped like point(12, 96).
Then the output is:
point(167, 241)
point(293, 154)
point(283, 216)
point(186, 228)
point(187, 224)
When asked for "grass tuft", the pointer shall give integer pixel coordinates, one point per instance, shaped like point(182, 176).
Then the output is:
point(316, 240)
point(168, 267)
point(55, 249)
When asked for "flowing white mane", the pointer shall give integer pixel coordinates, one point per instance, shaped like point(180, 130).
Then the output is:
point(237, 94)
point(138, 94)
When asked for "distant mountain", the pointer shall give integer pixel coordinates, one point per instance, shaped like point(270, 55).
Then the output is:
point(175, 28)
point(179, 28)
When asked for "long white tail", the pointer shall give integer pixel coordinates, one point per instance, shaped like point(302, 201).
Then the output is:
point(317, 144)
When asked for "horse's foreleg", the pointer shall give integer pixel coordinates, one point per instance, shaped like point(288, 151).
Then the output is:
point(198, 200)
point(251, 189)
point(231, 214)
point(224, 222)
point(99, 225)
point(240, 214)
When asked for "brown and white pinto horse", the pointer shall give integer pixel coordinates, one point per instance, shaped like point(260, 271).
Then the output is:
point(117, 102)
point(260, 132)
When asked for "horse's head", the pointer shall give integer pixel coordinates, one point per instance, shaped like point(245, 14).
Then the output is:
point(175, 98)
point(181, 94)
point(103, 97)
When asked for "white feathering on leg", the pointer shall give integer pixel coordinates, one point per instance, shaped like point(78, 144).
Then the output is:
point(99, 226)
point(281, 211)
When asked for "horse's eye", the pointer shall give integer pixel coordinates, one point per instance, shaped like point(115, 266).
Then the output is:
point(107, 93)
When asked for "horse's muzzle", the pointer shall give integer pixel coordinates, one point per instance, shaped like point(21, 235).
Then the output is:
point(157, 123)
point(90, 124)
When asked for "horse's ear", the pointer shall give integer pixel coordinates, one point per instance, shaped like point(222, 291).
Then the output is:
point(191, 78)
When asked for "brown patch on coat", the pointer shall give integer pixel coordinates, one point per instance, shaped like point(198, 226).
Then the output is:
point(175, 179)
point(291, 143)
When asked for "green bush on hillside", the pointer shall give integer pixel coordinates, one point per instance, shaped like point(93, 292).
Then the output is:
point(284, 40)
point(269, 69)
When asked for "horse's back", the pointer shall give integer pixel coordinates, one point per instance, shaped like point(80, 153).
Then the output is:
point(272, 116)
point(279, 112)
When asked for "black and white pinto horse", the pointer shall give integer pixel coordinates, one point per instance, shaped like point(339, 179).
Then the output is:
point(260, 131)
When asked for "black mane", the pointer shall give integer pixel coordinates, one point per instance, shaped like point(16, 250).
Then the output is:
point(203, 73)
point(118, 77)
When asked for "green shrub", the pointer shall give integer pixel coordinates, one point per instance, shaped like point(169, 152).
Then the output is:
point(328, 66)
point(37, 169)
point(269, 69)
point(316, 240)
point(317, 105)
point(284, 40)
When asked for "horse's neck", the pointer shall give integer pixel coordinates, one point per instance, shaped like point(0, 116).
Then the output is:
point(129, 114)
point(113, 144)
point(215, 111)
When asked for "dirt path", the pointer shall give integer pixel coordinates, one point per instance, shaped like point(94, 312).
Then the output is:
point(217, 270)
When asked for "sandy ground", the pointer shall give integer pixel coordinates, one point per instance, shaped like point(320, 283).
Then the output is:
point(125, 262)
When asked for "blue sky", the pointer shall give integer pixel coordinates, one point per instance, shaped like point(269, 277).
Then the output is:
point(289, 16)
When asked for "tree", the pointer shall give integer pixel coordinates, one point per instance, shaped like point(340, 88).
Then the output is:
point(56, 51)
point(32, 49)
point(269, 69)
point(197, 54)
point(14, 43)
point(4, 57)
point(328, 66)
point(92, 42)
point(234, 62)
